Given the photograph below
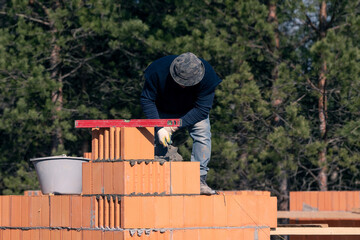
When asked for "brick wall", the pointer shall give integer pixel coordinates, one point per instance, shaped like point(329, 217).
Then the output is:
point(127, 195)
point(325, 201)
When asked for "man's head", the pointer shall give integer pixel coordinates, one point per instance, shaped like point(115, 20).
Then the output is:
point(187, 69)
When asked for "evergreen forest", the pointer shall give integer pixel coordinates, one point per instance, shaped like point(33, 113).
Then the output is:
point(285, 118)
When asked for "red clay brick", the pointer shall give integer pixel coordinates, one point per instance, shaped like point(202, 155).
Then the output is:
point(95, 144)
point(177, 211)
point(152, 235)
point(125, 178)
point(119, 235)
point(32, 193)
point(55, 234)
point(96, 235)
point(294, 200)
point(75, 235)
point(87, 234)
point(86, 178)
point(87, 155)
point(96, 216)
point(185, 177)
point(252, 210)
point(25, 235)
point(343, 204)
point(88, 212)
point(350, 201)
point(108, 235)
point(191, 211)
point(112, 212)
point(117, 143)
point(76, 211)
point(249, 233)
point(108, 178)
point(107, 144)
point(314, 200)
point(245, 192)
point(117, 212)
point(101, 211)
point(132, 178)
point(152, 178)
point(45, 234)
point(65, 234)
point(55, 211)
point(112, 144)
point(241, 210)
point(65, 211)
point(1, 197)
point(35, 234)
point(107, 211)
point(15, 211)
point(45, 211)
point(15, 234)
point(148, 212)
point(97, 172)
point(137, 143)
point(321, 201)
point(101, 144)
point(130, 210)
point(159, 217)
point(198, 211)
point(35, 211)
point(118, 178)
point(6, 234)
point(220, 214)
point(206, 233)
point(308, 199)
point(32, 234)
point(221, 234)
point(25, 211)
point(218, 233)
point(178, 235)
point(206, 211)
point(264, 234)
point(327, 203)
point(335, 203)
point(268, 212)
point(356, 196)
point(177, 178)
point(5, 210)
point(141, 178)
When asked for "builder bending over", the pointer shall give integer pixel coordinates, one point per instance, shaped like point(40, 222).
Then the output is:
point(182, 87)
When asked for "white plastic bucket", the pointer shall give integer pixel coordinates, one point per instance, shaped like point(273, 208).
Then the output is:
point(59, 174)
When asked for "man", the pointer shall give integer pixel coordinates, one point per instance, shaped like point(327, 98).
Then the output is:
point(182, 87)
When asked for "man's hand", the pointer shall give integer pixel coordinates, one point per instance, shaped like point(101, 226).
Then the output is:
point(164, 135)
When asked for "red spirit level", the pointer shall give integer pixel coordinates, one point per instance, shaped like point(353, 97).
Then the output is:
point(127, 123)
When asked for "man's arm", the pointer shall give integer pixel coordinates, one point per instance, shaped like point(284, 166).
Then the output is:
point(147, 100)
point(200, 111)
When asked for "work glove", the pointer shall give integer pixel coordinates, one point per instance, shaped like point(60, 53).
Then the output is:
point(164, 135)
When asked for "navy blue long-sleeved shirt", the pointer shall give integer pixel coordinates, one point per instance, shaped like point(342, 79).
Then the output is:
point(162, 94)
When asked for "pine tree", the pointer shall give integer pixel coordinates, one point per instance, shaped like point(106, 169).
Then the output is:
point(62, 61)
point(326, 38)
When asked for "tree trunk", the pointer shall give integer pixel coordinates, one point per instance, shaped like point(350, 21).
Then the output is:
point(57, 96)
point(277, 101)
point(323, 104)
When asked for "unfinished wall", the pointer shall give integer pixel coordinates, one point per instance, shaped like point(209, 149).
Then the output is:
point(126, 195)
point(325, 201)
